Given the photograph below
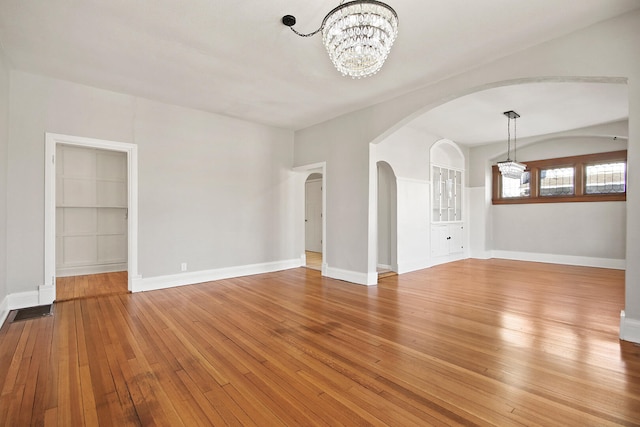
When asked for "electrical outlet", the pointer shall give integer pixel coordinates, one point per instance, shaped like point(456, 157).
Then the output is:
point(183, 266)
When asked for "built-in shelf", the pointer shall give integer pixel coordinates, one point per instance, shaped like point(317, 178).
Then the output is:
point(91, 210)
point(447, 195)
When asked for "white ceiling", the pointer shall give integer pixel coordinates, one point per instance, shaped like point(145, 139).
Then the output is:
point(544, 108)
point(236, 58)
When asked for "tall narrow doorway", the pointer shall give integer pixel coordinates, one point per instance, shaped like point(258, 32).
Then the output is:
point(387, 263)
point(313, 221)
point(91, 222)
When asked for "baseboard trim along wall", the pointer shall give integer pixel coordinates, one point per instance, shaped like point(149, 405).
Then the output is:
point(367, 279)
point(4, 310)
point(617, 264)
point(140, 284)
point(629, 329)
point(414, 265)
point(16, 301)
point(90, 269)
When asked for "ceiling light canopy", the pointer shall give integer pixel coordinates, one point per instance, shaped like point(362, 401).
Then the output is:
point(511, 168)
point(358, 35)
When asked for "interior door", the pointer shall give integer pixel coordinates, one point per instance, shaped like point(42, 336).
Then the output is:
point(313, 216)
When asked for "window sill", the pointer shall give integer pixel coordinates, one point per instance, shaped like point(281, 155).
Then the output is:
point(560, 199)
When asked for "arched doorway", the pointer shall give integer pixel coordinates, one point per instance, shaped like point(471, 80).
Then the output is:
point(387, 261)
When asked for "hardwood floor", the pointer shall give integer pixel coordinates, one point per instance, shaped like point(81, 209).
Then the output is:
point(475, 342)
point(91, 285)
point(314, 260)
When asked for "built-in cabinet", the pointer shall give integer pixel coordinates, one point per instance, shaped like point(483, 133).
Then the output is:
point(447, 228)
point(91, 211)
point(447, 203)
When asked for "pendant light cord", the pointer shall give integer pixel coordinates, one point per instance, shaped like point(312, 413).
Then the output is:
point(508, 138)
point(515, 135)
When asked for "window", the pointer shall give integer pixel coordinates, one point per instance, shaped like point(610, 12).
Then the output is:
point(556, 182)
point(606, 178)
point(512, 187)
point(590, 178)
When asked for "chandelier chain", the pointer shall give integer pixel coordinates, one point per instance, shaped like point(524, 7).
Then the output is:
point(309, 34)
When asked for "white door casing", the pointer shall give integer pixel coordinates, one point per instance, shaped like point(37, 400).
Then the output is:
point(47, 290)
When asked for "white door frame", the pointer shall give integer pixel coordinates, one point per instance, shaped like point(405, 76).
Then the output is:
point(48, 290)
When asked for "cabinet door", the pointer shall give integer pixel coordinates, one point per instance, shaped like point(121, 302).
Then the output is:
point(436, 200)
point(439, 241)
point(446, 200)
point(455, 238)
point(458, 196)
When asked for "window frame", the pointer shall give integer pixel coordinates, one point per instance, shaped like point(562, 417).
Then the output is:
point(579, 163)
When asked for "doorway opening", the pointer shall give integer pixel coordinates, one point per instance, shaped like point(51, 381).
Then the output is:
point(387, 261)
point(313, 221)
point(90, 217)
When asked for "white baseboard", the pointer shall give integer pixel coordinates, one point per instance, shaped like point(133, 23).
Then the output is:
point(24, 299)
point(46, 294)
point(414, 265)
point(480, 254)
point(4, 310)
point(617, 264)
point(21, 300)
point(356, 277)
point(384, 267)
point(447, 258)
point(90, 269)
point(629, 328)
point(140, 284)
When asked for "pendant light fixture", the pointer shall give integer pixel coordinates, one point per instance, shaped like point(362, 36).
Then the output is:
point(358, 35)
point(511, 168)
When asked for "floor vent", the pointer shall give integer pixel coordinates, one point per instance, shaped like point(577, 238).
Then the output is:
point(33, 312)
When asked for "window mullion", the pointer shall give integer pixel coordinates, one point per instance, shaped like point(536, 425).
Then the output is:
point(578, 181)
point(535, 182)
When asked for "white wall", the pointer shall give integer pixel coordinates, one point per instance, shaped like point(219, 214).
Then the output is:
point(592, 233)
point(595, 231)
point(4, 142)
point(407, 152)
point(347, 194)
point(214, 192)
point(605, 52)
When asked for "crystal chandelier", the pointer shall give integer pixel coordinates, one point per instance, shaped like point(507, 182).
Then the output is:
point(511, 168)
point(358, 35)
